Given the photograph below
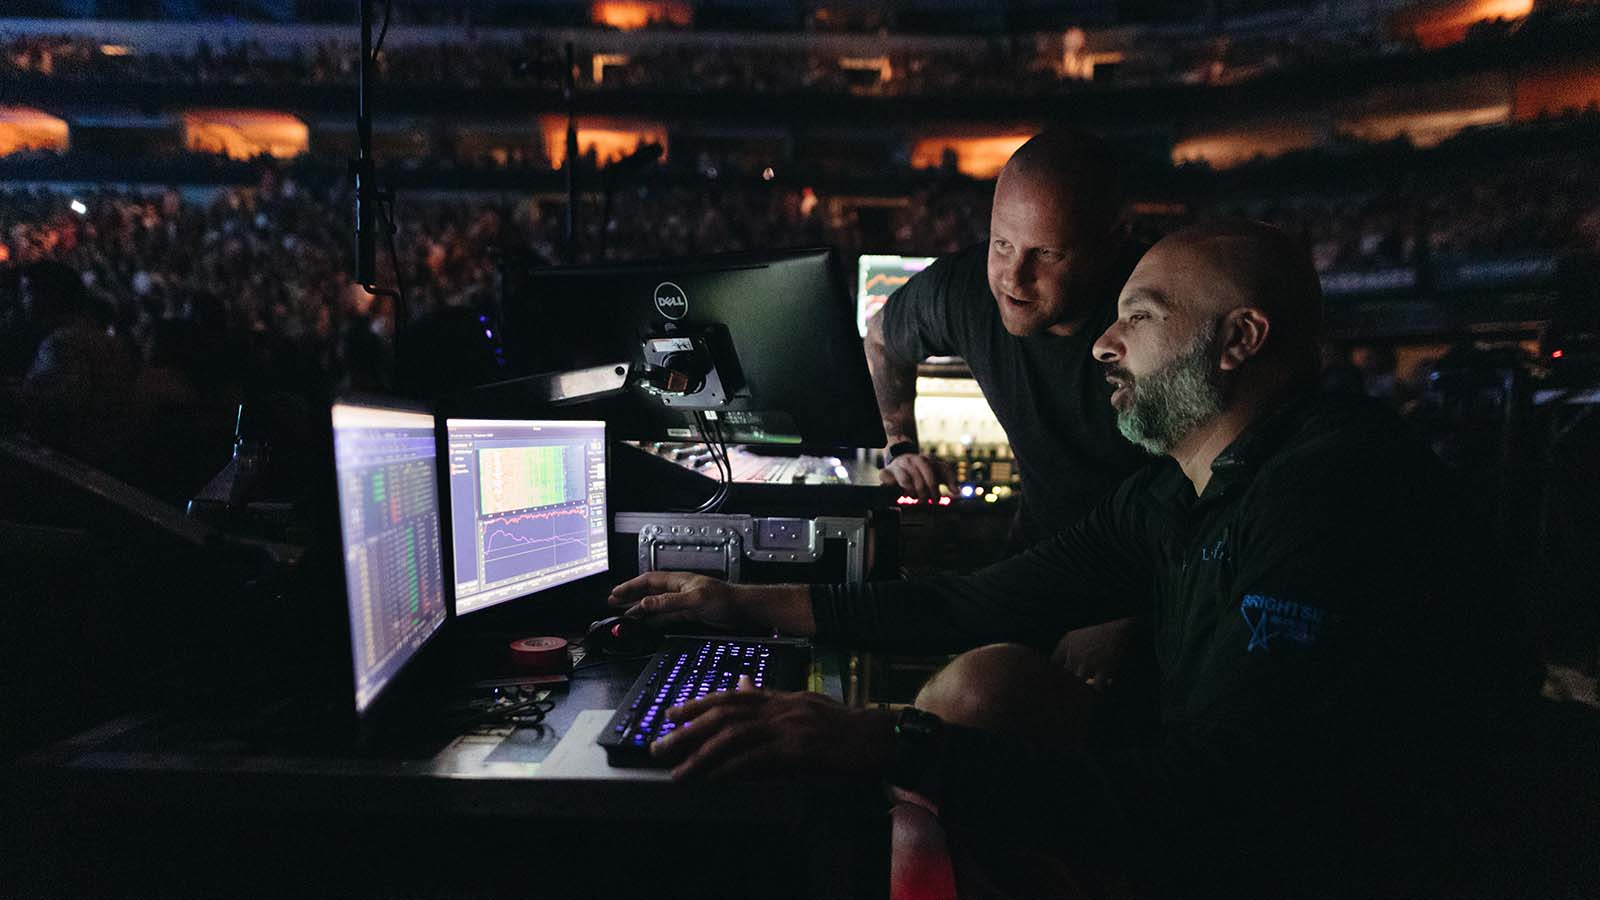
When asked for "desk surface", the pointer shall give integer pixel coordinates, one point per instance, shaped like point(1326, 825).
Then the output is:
point(511, 758)
point(155, 765)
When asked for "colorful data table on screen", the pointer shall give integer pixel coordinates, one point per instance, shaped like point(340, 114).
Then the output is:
point(385, 462)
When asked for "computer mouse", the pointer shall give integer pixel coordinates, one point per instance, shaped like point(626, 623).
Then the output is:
point(618, 636)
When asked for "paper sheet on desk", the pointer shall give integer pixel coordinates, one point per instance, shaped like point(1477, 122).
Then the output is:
point(578, 756)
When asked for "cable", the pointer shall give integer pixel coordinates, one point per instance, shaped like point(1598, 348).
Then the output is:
point(521, 712)
point(719, 455)
point(711, 433)
point(401, 313)
point(607, 661)
point(727, 462)
point(388, 7)
point(386, 212)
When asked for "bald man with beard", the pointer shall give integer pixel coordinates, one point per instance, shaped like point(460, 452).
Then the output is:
point(1320, 608)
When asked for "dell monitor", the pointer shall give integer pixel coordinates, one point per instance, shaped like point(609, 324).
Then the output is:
point(386, 465)
point(763, 343)
point(527, 506)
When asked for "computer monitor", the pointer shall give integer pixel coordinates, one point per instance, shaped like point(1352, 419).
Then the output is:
point(386, 465)
point(878, 276)
point(763, 341)
point(527, 506)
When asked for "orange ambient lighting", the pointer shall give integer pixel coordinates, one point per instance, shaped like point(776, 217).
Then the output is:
point(1440, 24)
point(1425, 128)
point(1230, 148)
point(976, 157)
point(628, 15)
point(245, 133)
point(25, 128)
point(1555, 91)
point(610, 139)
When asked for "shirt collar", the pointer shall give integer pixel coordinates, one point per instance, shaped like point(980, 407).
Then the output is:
point(1239, 461)
point(1257, 443)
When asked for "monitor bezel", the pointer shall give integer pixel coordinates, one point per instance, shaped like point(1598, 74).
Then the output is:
point(444, 487)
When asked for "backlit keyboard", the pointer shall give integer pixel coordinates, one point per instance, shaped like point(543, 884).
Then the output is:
point(688, 668)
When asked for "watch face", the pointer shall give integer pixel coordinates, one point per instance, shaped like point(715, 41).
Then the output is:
point(917, 724)
point(915, 734)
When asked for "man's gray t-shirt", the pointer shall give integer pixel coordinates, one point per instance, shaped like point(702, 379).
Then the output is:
point(1047, 391)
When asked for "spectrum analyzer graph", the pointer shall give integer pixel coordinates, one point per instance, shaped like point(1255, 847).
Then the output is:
point(522, 477)
point(528, 541)
point(528, 503)
point(879, 276)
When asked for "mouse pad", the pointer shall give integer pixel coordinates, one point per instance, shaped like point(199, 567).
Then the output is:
point(578, 756)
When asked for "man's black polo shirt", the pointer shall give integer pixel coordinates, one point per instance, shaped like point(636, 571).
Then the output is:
point(1318, 614)
point(1046, 390)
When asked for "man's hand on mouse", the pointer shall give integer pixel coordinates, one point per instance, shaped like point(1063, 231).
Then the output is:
point(751, 731)
point(664, 598)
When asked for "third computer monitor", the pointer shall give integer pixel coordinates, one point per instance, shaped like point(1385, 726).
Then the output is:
point(877, 277)
point(800, 373)
point(527, 506)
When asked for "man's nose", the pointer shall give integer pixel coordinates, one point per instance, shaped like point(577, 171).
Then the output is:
point(1108, 346)
point(1015, 270)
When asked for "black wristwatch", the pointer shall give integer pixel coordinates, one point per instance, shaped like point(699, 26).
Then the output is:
point(900, 448)
point(916, 742)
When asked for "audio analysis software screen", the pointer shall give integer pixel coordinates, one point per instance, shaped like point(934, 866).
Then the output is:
point(879, 276)
point(527, 506)
point(387, 463)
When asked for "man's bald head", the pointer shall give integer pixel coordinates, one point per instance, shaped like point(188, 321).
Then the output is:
point(1075, 167)
point(1052, 233)
point(1215, 318)
point(1239, 263)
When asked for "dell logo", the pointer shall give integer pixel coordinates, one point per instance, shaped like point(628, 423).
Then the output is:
point(671, 301)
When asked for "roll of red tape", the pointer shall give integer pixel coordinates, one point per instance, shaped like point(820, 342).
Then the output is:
point(540, 655)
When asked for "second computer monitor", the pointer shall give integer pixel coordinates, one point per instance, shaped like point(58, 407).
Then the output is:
point(527, 506)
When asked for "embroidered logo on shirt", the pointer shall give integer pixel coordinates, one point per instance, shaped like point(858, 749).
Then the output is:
point(1218, 552)
point(1269, 618)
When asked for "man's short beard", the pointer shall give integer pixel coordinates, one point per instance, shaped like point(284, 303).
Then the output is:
point(1173, 401)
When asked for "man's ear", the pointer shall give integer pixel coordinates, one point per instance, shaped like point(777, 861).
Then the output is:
point(1244, 334)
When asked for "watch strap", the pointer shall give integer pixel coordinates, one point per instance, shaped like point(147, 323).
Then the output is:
point(916, 740)
point(899, 448)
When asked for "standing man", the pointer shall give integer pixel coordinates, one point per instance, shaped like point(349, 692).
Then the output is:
point(1024, 311)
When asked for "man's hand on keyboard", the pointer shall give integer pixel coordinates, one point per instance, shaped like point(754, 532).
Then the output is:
point(752, 731)
point(666, 598)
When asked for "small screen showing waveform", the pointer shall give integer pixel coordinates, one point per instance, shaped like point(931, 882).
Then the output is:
point(385, 462)
point(527, 506)
point(879, 276)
